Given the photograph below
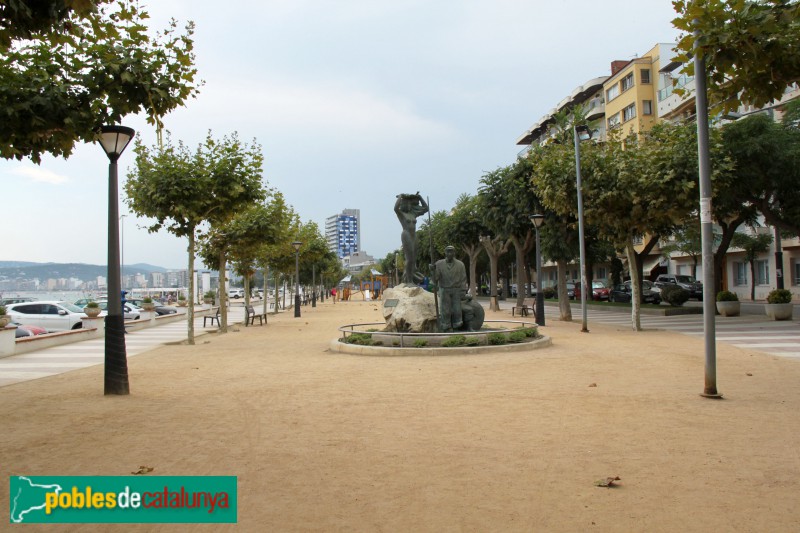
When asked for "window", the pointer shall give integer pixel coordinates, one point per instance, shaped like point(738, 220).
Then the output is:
point(629, 113)
point(612, 92)
point(627, 82)
point(797, 273)
point(762, 272)
point(740, 273)
point(638, 240)
point(644, 74)
point(602, 273)
point(647, 107)
point(613, 121)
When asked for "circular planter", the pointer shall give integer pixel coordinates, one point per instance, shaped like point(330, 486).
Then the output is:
point(183, 303)
point(4, 320)
point(92, 312)
point(149, 307)
point(779, 311)
point(729, 308)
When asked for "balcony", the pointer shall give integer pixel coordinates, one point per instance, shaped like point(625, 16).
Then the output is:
point(671, 104)
point(596, 108)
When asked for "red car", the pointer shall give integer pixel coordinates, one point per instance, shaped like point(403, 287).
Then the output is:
point(29, 331)
point(599, 291)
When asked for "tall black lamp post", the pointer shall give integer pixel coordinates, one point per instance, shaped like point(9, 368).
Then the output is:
point(297, 245)
point(538, 220)
point(114, 139)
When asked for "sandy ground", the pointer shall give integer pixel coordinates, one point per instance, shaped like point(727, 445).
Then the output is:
point(512, 442)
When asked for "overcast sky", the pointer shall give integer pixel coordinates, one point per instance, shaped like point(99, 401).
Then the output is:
point(353, 101)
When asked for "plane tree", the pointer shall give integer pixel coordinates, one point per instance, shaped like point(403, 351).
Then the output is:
point(750, 48)
point(464, 227)
point(181, 190)
point(71, 66)
point(752, 246)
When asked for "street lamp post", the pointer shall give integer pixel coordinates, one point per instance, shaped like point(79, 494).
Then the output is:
point(538, 220)
point(121, 251)
point(114, 139)
point(297, 245)
point(576, 130)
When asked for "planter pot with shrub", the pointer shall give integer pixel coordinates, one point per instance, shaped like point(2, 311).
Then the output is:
point(779, 305)
point(728, 303)
point(92, 310)
point(4, 318)
point(674, 295)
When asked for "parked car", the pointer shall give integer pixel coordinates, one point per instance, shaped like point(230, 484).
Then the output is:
point(570, 290)
point(130, 312)
point(26, 330)
point(50, 315)
point(17, 300)
point(624, 293)
point(236, 293)
point(160, 308)
point(688, 283)
point(599, 291)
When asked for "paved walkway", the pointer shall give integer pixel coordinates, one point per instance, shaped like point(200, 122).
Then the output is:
point(781, 338)
point(60, 359)
point(752, 331)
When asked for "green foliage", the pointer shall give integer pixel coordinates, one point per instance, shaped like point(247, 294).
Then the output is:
point(472, 341)
point(727, 296)
point(517, 336)
point(70, 69)
point(3, 309)
point(455, 340)
point(750, 48)
point(530, 332)
point(496, 339)
point(363, 339)
point(208, 294)
point(549, 292)
point(674, 295)
point(420, 343)
point(779, 296)
point(92, 305)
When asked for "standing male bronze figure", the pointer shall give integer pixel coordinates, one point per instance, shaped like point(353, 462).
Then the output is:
point(450, 280)
point(408, 208)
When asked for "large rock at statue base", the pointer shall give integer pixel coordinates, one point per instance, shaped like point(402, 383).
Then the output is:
point(414, 312)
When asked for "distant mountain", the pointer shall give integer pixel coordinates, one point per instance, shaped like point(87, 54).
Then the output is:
point(82, 271)
point(12, 264)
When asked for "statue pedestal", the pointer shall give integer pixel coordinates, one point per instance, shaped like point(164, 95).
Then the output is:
point(409, 308)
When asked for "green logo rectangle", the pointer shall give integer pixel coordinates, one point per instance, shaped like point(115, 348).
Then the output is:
point(122, 499)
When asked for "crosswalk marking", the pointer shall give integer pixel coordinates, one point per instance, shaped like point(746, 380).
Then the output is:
point(59, 359)
point(744, 331)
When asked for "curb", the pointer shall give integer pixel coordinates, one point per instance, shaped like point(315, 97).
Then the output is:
point(355, 349)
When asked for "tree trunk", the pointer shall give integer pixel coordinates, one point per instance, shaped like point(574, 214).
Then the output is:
point(522, 250)
point(266, 292)
point(190, 310)
point(752, 280)
point(223, 293)
point(494, 248)
point(473, 251)
point(564, 306)
point(636, 287)
point(277, 293)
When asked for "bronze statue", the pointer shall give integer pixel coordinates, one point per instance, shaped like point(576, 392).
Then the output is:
point(473, 314)
point(408, 208)
point(450, 281)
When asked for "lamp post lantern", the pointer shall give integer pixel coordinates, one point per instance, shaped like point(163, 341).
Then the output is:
point(297, 245)
point(114, 140)
point(577, 130)
point(538, 220)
